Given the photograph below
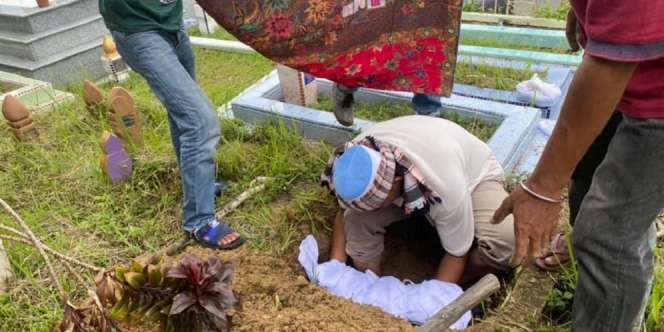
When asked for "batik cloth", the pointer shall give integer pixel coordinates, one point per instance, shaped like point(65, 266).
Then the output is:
point(416, 194)
point(402, 45)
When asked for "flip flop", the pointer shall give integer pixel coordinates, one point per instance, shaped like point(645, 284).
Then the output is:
point(210, 235)
point(115, 163)
point(557, 257)
point(92, 95)
point(124, 118)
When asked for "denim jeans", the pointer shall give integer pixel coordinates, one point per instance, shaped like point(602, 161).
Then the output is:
point(166, 61)
point(583, 174)
point(426, 104)
point(614, 233)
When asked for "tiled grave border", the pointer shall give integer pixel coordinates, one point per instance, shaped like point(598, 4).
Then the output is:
point(559, 75)
point(261, 104)
point(37, 95)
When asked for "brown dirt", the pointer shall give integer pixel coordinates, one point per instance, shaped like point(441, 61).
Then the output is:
point(275, 296)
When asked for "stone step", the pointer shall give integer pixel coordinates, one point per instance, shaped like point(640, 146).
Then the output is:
point(39, 46)
point(79, 62)
point(37, 20)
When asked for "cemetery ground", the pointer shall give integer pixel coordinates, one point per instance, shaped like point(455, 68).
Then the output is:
point(57, 186)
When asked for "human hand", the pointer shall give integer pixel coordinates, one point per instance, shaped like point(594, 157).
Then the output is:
point(535, 223)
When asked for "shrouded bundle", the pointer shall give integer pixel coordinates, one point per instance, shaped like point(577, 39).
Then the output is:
point(402, 45)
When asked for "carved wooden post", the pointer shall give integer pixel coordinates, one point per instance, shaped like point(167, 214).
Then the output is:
point(42, 3)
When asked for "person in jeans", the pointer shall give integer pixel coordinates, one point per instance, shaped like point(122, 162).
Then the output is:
point(150, 37)
point(344, 99)
point(418, 165)
point(614, 233)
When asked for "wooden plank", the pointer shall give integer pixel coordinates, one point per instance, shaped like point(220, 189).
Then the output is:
point(469, 299)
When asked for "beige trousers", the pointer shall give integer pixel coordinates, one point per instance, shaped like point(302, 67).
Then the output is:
point(365, 231)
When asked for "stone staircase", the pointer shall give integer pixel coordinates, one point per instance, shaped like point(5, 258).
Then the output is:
point(59, 44)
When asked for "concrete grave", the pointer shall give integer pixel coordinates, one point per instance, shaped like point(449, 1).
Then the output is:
point(60, 43)
point(262, 103)
point(545, 38)
point(559, 75)
point(36, 95)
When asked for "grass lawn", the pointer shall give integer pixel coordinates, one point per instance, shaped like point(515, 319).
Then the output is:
point(57, 186)
point(498, 44)
point(6, 87)
point(492, 77)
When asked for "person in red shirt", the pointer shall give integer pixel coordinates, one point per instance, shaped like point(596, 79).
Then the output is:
point(613, 238)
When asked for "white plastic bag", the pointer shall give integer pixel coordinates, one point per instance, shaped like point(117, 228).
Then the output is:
point(537, 92)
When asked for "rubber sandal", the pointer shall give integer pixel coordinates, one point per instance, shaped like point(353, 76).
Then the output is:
point(210, 235)
point(558, 253)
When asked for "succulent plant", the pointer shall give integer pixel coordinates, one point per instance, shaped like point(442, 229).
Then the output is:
point(205, 298)
point(194, 295)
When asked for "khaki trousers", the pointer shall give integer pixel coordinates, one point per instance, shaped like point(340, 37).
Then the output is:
point(365, 231)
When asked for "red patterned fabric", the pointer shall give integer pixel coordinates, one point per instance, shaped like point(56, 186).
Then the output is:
point(402, 45)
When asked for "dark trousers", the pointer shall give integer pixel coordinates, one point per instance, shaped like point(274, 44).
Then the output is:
point(585, 170)
point(614, 233)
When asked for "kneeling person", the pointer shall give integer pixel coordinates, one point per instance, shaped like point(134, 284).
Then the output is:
point(421, 165)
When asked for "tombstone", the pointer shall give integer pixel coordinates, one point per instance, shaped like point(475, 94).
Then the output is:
point(298, 88)
point(59, 44)
point(115, 162)
point(19, 118)
point(124, 117)
point(92, 96)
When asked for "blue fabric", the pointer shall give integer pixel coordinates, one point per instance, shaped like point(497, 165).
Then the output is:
point(166, 61)
point(353, 173)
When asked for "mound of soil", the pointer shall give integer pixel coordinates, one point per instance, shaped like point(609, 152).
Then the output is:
point(275, 296)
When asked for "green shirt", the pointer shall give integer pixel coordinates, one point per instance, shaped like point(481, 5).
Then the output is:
point(131, 16)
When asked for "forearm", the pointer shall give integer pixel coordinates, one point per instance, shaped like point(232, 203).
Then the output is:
point(451, 268)
point(338, 246)
point(593, 96)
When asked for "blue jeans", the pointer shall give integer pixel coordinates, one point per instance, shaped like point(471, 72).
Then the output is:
point(426, 104)
point(166, 61)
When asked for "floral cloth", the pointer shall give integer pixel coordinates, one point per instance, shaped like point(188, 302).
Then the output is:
point(402, 45)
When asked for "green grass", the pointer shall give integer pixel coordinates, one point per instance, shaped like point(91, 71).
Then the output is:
point(221, 33)
point(560, 13)
point(6, 87)
point(57, 186)
point(558, 309)
point(498, 44)
point(381, 112)
point(485, 76)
